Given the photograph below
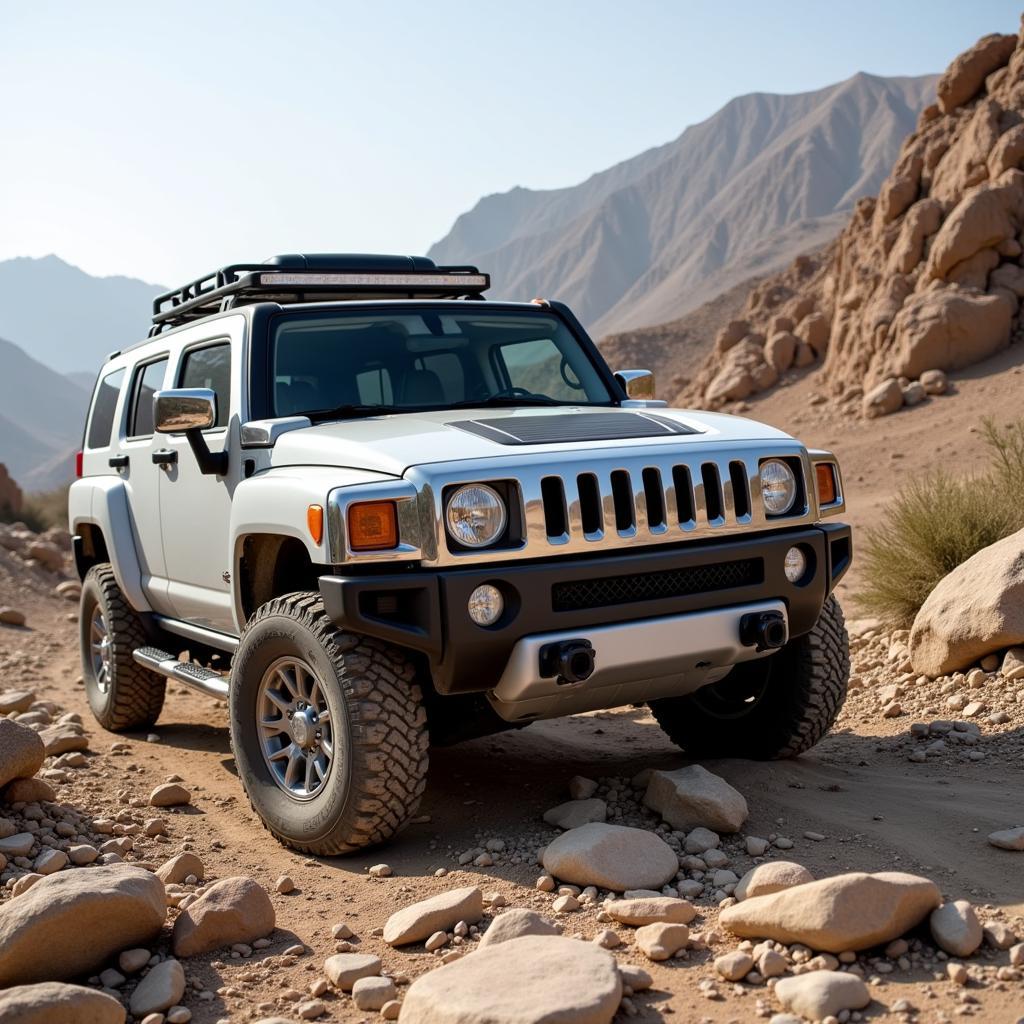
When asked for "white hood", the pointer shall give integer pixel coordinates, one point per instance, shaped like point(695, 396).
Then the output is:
point(395, 443)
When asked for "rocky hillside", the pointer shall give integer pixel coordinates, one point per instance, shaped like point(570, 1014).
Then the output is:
point(739, 195)
point(927, 277)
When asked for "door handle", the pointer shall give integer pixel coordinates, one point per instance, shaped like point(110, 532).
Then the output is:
point(165, 457)
point(118, 462)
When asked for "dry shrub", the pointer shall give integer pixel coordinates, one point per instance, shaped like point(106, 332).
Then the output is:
point(939, 521)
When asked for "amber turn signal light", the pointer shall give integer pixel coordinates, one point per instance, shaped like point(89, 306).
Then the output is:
point(315, 522)
point(827, 489)
point(373, 525)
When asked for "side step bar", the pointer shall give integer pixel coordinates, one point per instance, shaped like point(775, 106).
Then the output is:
point(202, 679)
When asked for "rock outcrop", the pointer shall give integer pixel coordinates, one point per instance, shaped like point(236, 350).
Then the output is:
point(926, 277)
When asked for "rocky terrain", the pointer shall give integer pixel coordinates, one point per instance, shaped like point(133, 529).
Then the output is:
point(925, 280)
point(581, 860)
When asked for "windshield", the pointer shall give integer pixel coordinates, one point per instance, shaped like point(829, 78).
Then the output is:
point(342, 364)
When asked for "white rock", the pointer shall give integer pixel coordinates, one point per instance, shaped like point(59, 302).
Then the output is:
point(611, 857)
point(159, 990)
point(692, 796)
point(574, 813)
point(700, 840)
point(956, 928)
point(438, 913)
point(1007, 839)
point(662, 941)
point(772, 876)
point(373, 993)
point(651, 910)
point(534, 978)
point(734, 966)
point(345, 969)
point(820, 994)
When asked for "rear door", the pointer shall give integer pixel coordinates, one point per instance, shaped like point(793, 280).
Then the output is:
point(137, 445)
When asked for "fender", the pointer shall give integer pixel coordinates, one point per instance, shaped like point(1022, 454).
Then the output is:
point(101, 501)
point(276, 502)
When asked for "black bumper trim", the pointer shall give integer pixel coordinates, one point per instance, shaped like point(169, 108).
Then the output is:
point(426, 610)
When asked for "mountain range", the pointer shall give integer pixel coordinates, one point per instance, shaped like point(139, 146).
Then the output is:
point(738, 195)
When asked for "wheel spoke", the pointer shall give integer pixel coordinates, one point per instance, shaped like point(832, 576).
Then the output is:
point(292, 770)
point(274, 724)
point(288, 678)
point(278, 700)
point(283, 752)
point(310, 762)
point(325, 715)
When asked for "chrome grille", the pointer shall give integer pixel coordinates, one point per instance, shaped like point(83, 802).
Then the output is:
point(597, 501)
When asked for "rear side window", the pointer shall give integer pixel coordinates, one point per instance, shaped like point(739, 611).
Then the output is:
point(149, 378)
point(101, 419)
point(210, 367)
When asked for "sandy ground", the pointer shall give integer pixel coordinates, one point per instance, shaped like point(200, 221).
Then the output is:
point(876, 810)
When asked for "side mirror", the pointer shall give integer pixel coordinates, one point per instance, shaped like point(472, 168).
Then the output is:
point(638, 384)
point(190, 411)
point(184, 409)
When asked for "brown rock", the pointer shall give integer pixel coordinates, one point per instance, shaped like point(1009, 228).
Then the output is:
point(651, 910)
point(662, 941)
point(976, 610)
point(29, 791)
point(965, 76)
point(949, 330)
point(343, 970)
point(814, 330)
point(804, 356)
point(955, 928)
point(73, 922)
point(179, 867)
point(612, 857)
point(52, 1002)
point(780, 349)
point(934, 382)
point(169, 794)
point(60, 739)
point(693, 797)
point(845, 912)
point(883, 399)
point(922, 220)
point(48, 555)
point(11, 616)
point(231, 910)
point(16, 701)
point(555, 980)
point(21, 751)
point(733, 333)
point(10, 494)
point(818, 995)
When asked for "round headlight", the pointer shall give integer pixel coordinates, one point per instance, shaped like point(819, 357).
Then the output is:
point(778, 487)
point(475, 515)
point(486, 605)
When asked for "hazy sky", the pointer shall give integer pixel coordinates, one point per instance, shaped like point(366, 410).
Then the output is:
point(162, 140)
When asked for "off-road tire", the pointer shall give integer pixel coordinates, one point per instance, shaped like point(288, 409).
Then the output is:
point(797, 694)
point(134, 697)
point(379, 769)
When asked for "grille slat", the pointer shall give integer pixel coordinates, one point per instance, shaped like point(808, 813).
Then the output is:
point(579, 595)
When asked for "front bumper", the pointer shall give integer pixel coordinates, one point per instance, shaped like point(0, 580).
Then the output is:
point(426, 610)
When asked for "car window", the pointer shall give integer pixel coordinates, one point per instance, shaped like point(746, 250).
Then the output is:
point(101, 419)
point(537, 366)
point(210, 367)
point(149, 379)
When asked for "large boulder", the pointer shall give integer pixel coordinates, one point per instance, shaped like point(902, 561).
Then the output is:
point(845, 912)
point(53, 1002)
point(231, 910)
point(522, 981)
point(21, 751)
point(692, 796)
point(611, 856)
point(949, 329)
point(965, 76)
point(73, 922)
point(437, 914)
point(976, 610)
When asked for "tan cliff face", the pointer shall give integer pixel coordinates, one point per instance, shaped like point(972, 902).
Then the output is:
point(10, 494)
point(927, 276)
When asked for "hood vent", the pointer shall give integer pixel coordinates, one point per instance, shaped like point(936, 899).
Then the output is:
point(572, 428)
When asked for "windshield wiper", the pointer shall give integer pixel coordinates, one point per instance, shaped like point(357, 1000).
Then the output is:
point(350, 412)
point(506, 401)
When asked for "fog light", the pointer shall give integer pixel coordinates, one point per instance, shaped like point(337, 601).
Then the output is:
point(486, 605)
point(795, 565)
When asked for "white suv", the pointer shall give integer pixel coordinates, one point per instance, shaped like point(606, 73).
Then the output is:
point(365, 506)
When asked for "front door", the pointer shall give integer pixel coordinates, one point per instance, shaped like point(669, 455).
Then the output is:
point(196, 508)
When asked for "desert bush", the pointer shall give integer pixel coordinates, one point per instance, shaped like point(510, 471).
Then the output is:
point(937, 522)
point(41, 510)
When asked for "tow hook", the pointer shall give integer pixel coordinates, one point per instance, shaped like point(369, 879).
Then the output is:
point(764, 631)
point(568, 661)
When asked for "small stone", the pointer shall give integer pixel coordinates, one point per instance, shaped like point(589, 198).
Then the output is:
point(50, 861)
point(700, 840)
point(734, 966)
point(820, 994)
point(998, 935)
point(651, 910)
point(179, 868)
point(957, 973)
point(170, 794)
point(285, 884)
point(607, 939)
point(391, 1009)
point(419, 921)
point(611, 856)
point(82, 854)
point(662, 941)
point(162, 988)
point(955, 928)
point(436, 941)
point(380, 871)
point(545, 883)
point(311, 1009)
point(341, 931)
point(373, 993)
point(131, 961)
point(565, 905)
point(230, 910)
point(692, 796)
point(576, 812)
point(581, 788)
point(345, 969)
point(1007, 839)
point(756, 847)
point(773, 876)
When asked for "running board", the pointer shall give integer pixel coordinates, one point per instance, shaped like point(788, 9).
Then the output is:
point(202, 679)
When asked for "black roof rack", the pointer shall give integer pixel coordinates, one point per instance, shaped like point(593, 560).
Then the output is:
point(320, 277)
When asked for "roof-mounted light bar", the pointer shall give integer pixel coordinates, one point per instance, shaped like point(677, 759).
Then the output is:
point(315, 278)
